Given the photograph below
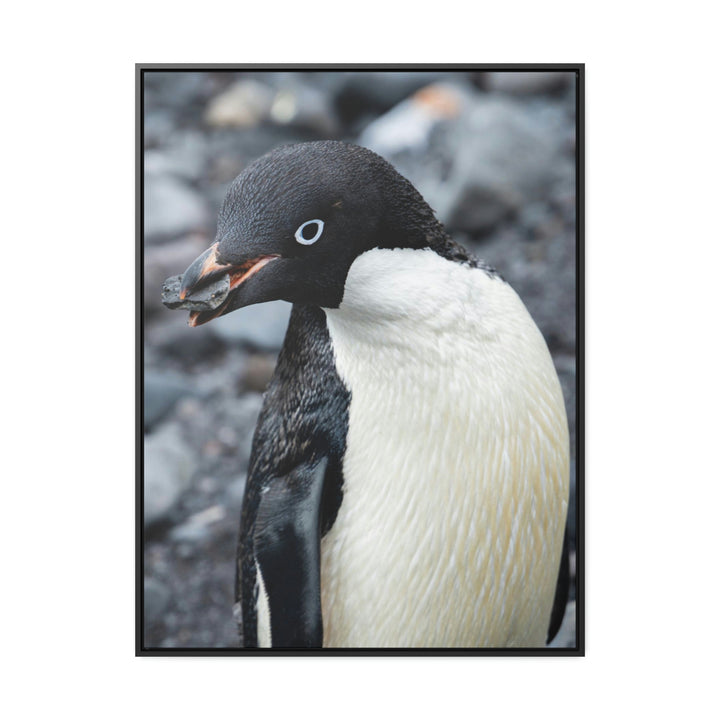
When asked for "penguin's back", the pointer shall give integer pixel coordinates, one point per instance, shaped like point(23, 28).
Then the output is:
point(456, 461)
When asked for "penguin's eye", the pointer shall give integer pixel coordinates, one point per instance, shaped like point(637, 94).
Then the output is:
point(309, 232)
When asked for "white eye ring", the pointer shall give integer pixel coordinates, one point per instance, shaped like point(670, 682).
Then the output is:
point(309, 241)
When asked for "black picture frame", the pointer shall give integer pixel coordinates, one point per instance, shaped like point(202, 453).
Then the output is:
point(579, 70)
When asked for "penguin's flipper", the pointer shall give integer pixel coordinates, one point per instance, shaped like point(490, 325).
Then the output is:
point(293, 489)
point(561, 591)
point(287, 551)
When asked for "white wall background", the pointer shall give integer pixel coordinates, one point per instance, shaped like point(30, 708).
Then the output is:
point(651, 394)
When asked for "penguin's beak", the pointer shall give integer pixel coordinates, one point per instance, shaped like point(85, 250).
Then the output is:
point(207, 285)
point(202, 271)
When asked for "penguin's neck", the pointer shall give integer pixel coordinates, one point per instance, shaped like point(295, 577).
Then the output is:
point(415, 314)
point(406, 296)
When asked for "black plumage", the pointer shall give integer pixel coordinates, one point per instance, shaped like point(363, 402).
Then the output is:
point(303, 423)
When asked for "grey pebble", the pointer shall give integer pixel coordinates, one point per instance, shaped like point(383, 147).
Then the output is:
point(168, 467)
point(172, 208)
point(156, 598)
point(162, 391)
point(526, 83)
point(258, 326)
point(208, 297)
point(167, 259)
point(566, 635)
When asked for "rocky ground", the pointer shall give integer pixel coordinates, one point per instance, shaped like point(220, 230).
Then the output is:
point(493, 153)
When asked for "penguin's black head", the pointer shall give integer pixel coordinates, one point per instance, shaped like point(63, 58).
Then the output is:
point(293, 222)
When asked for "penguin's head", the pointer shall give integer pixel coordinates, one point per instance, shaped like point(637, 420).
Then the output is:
point(294, 221)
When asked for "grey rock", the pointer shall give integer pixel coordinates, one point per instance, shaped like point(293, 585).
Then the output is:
point(259, 368)
point(176, 90)
point(470, 207)
point(549, 283)
point(500, 161)
point(184, 155)
point(241, 414)
point(476, 159)
point(221, 378)
point(156, 599)
point(172, 209)
point(233, 425)
point(566, 637)
point(207, 297)
point(161, 261)
point(304, 106)
point(521, 83)
point(162, 391)
point(537, 219)
point(197, 527)
point(243, 105)
point(158, 125)
point(235, 491)
point(409, 125)
point(168, 469)
point(360, 93)
point(259, 326)
point(169, 337)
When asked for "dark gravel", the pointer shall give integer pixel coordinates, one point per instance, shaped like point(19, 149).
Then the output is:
point(492, 153)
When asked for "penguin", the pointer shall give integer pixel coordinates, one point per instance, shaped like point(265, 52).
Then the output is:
point(408, 481)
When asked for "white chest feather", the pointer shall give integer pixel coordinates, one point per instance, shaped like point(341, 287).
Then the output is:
point(456, 464)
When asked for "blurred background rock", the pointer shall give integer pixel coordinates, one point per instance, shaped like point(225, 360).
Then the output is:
point(492, 153)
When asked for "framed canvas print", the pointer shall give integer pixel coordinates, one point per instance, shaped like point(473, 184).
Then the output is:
point(360, 360)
